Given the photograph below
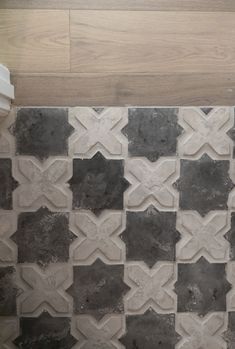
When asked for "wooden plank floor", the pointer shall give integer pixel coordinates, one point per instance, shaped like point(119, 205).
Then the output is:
point(35, 40)
point(100, 52)
point(133, 5)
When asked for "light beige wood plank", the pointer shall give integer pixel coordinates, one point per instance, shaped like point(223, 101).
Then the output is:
point(160, 42)
point(35, 40)
point(147, 5)
point(120, 90)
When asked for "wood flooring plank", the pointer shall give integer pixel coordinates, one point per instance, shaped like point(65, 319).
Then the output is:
point(147, 5)
point(35, 40)
point(157, 42)
point(121, 90)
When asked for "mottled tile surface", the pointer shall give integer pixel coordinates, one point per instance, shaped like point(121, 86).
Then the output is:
point(152, 132)
point(98, 183)
point(150, 236)
point(98, 289)
point(207, 187)
point(43, 237)
point(202, 287)
point(45, 332)
point(42, 132)
point(117, 228)
point(7, 184)
point(8, 291)
point(161, 327)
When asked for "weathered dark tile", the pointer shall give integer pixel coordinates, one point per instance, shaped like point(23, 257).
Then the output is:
point(98, 183)
point(43, 237)
point(150, 236)
point(206, 110)
point(152, 132)
point(42, 132)
point(229, 335)
point(45, 332)
point(8, 291)
point(99, 110)
point(230, 236)
point(98, 289)
point(204, 184)
point(7, 184)
point(202, 287)
point(150, 331)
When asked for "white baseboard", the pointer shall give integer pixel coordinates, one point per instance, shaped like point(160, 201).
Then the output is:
point(6, 91)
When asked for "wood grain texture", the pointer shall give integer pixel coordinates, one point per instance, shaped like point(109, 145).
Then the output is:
point(35, 40)
point(61, 57)
point(146, 5)
point(126, 89)
point(156, 42)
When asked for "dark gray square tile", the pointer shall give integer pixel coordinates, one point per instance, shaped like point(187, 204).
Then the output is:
point(98, 289)
point(42, 132)
point(7, 184)
point(152, 132)
point(202, 287)
point(150, 331)
point(98, 183)
point(204, 184)
point(45, 332)
point(8, 291)
point(43, 237)
point(150, 236)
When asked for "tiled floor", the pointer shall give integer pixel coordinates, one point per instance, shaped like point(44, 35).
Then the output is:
point(117, 228)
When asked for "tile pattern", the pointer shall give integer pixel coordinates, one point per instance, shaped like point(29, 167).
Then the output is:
point(98, 184)
point(43, 237)
point(117, 228)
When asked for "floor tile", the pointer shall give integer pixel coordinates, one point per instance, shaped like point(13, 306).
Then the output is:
point(203, 236)
point(202, 332)
point(206, 110)
point(205, 133)
point(150, 236)
point(7, 184)
point(98, 184)
point(98, 131)
point(42, 132)
point(230, 236)
point(202, 287)
point(8, 331)
point(229, 335)
point(8, 250)
point(117, 228)
point(152, 132)
point(231, 280)
point(150, 288)
point(8, 291)
point(45, 332)
point(207, 187)
point(152, 183)
point(44, 289)
point(150, 331)
point(97, 237)
point(98, 289)
point(42, 184)
point(231, 133)
point(100, 334)
point(43, 237)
